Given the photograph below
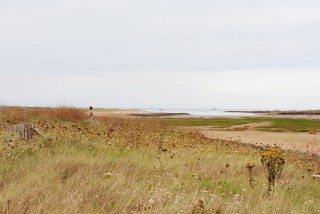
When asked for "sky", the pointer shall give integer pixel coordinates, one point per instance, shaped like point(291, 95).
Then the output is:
point(229, 54)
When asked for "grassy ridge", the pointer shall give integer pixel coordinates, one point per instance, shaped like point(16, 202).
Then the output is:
point(12, 114)
point(278, 124)
point(113, 165)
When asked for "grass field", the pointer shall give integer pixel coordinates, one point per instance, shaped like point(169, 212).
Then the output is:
point(114, 165)
point(278, 124)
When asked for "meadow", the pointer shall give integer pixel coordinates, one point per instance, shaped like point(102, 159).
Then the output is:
point(277, 124)
point(141, 165)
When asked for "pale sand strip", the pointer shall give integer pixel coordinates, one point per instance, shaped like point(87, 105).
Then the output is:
point(303, 142)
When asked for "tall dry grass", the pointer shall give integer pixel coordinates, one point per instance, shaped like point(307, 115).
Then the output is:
point(114, 165)
point(25, 114)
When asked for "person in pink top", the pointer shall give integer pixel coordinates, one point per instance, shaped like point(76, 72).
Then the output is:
point(90, 114)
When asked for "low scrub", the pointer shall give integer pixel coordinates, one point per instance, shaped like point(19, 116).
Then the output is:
point(115, 165)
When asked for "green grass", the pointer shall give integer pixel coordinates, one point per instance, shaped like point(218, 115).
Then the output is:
point(219, 122)
point(278, 124)
point(296, 125)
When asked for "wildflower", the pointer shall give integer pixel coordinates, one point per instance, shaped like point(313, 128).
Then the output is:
point(273, 161)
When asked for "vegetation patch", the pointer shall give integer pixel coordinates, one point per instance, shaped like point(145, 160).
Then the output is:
point(277, 124)
point(115, 165)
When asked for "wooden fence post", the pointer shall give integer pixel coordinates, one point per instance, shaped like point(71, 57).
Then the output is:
point(26, 131)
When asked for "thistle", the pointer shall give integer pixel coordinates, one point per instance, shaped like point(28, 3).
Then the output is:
point(273, 161)
point(250, 167)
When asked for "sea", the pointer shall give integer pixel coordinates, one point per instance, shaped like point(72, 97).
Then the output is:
point(204, 112)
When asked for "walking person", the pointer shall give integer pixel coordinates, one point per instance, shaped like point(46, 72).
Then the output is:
point(90, 114)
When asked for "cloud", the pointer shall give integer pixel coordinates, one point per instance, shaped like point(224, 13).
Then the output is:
point(168, 53)
point(281, 89)
point(101, 36)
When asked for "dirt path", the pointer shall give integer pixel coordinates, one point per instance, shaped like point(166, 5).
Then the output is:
point(304, 142)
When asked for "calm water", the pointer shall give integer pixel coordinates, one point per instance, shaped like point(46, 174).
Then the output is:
point(203, 112)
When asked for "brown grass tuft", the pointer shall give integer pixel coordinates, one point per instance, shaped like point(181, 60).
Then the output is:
point(14, 115)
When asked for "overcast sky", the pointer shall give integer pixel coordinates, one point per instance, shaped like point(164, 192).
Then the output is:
point(247, 54)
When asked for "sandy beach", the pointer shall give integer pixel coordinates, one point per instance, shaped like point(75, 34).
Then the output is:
point(294, 141)
point(297, 141)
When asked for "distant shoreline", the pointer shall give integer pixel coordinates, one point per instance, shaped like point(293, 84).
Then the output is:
point(294, 112)
point(308, 114)
point(159, 114)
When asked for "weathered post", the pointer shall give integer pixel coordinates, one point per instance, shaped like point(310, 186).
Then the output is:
point(27, 134)
point(26, 131)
